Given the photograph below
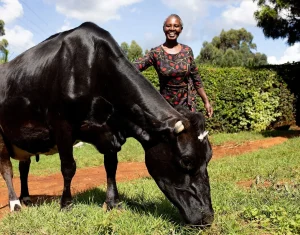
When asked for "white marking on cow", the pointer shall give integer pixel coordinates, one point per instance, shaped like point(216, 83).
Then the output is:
point(202, 135)
point(13, 203)
point(179, 127)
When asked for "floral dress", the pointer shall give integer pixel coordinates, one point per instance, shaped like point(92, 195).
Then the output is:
point(177, 73)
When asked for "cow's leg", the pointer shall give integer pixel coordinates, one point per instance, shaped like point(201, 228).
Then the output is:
point(112, 195)
point(24, 170)
point(7, 174)
point(68, 165)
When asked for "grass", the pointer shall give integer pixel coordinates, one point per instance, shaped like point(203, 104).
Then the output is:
point(132, 151)
point(238, 210)
point(85, 156)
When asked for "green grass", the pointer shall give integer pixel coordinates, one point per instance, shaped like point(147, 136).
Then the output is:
point(238, 210)
point(85, 156)
point(222, 138)
point(88, 156)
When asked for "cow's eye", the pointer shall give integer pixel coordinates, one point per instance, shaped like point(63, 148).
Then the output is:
point(186, 163)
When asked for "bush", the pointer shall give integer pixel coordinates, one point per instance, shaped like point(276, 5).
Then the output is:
point(289, 73)
point(243, 99)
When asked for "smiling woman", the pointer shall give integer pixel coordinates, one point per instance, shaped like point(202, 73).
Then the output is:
point(174, 62)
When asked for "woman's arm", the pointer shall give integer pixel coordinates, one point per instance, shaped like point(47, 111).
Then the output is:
point(199, 85)
point(208, 107)
point(143, 63)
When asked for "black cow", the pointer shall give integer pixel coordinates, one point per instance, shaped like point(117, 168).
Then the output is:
point(78, 85)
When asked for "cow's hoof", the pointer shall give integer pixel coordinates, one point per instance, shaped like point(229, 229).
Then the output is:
point(15, 205)
point(26, 201)
point(107, 206)
point(66, 207)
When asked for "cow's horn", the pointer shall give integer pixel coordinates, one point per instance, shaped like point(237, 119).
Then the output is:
point(179, 127)
point(202, 135)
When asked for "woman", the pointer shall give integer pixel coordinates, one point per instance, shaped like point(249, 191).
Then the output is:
point(174, 62)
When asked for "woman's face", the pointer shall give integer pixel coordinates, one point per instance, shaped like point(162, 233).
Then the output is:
point(172, 28)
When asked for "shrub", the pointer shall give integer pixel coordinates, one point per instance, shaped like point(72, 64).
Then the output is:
point(243, 99)
point(289, 73)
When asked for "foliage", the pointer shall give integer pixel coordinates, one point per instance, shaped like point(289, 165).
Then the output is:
point(134, 51)
point(243, 99)
point(231, 48)
point(3, 44)
point(267, 216)
point(151, 75)
point(3, 50)
point(289, 73)
point(125, 48)
point(2, 31)
point(279, 19)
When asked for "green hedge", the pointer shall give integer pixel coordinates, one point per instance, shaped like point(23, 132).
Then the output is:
point(243, 99)
point(289, 73)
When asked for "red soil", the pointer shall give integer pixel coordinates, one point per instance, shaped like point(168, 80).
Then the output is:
point(51, 185)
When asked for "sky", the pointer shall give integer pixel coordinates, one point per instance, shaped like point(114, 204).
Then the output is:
point(28, 22)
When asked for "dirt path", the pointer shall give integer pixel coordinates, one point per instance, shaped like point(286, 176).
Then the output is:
point(86, 178)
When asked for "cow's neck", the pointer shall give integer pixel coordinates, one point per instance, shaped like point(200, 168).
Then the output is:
point(132, 91)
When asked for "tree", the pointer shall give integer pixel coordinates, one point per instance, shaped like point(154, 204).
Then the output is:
point(279, 19)
point(231, 48)
point(3, 44)
point(134, 51)
point(3, 50)
point(125, 47)
point(2, 31)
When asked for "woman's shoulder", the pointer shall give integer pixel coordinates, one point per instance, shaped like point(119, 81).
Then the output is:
point(185, 47)
point(156, 49)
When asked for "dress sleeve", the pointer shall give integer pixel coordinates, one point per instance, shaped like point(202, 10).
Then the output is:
point(145, 62)
point(194, 72)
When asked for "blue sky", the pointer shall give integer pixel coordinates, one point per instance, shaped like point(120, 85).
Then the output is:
point(29, 22)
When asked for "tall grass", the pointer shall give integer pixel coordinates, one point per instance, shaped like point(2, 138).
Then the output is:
point(270, 204)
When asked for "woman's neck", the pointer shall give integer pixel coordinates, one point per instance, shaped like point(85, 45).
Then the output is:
point(170, 44)
point(171, 47)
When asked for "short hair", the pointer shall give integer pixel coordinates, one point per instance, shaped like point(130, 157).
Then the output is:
point(174, 15)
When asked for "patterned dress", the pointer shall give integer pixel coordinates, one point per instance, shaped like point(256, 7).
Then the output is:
point(177, 73)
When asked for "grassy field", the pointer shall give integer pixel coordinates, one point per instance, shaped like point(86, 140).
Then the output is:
point(254, 193)
point(85, 156)
point(88, 156)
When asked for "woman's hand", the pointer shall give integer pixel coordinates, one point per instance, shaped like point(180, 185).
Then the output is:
point(209, 109)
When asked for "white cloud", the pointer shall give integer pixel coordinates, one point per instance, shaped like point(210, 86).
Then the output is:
point(291, 54)
point(66, 26)
point(10, 10)
point(240, 16)
point(99, 11)
point(19, 39)
point(191, 6)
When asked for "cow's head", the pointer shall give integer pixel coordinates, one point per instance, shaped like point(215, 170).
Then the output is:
point(179, 167)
